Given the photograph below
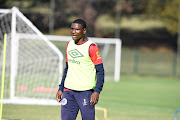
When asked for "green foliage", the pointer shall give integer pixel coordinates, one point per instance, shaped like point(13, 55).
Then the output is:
point(167, 11)
point(105, 24)
point(140, 23)
point(63, 32)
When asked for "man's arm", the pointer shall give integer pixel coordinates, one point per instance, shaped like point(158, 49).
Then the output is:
point(99, 84)
point(100, 77)
point(61, 86)
point(96, 59)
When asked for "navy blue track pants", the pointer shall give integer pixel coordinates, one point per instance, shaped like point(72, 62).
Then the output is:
point(73, 101)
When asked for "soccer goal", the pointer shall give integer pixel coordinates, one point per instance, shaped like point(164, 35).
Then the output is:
point(34, 62)
point(110, 50)
point(34, 65)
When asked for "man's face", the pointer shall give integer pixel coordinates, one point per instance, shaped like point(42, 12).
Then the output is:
point(77, 31)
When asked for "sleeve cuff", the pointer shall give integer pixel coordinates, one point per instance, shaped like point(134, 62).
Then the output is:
point(97, 90)
point(61, 89)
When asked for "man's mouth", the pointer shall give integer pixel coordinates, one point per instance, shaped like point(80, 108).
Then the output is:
point(74, 36)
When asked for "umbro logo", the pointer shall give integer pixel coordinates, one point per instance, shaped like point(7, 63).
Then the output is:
point(75, 53)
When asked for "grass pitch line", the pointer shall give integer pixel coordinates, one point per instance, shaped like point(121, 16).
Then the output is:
point(3, 75)
point(105, 113)
point(178, 110)
point(12, 119)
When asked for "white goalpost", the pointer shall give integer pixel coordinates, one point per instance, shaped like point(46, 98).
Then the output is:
point(110, 49)
point(34, 62)
point(34, 65)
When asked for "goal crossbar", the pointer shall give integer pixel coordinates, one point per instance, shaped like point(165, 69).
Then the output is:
point(106, 41)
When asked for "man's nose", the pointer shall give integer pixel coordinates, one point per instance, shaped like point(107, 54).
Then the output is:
point(73, 30)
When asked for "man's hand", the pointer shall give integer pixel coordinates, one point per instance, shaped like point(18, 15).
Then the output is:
point(94, 98)
point(58, 96)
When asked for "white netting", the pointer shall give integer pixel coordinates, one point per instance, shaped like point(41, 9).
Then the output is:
point(33, 64)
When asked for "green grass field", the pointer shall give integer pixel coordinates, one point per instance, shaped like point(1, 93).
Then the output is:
point(133, 98)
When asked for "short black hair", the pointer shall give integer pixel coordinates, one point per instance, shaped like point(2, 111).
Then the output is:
point(80, 21)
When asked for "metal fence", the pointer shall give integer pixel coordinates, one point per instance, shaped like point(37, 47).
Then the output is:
point(150, 62)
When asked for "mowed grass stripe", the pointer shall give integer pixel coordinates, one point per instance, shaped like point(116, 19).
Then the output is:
point(133, 98)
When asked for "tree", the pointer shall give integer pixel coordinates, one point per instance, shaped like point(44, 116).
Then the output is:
point(167, 11)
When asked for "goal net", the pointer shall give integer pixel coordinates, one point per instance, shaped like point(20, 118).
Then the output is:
point(34, 62)
point(34, 65)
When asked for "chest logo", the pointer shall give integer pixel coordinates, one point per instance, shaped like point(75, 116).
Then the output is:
point(98, 54)
point(75, 53)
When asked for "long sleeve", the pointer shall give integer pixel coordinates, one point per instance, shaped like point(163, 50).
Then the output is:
point(100, 77)
point(61, 86)
point(96, 59)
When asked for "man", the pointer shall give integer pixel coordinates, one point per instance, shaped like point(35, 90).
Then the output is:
point(83, 76)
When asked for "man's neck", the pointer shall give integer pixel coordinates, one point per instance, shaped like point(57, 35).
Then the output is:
point(80, 40)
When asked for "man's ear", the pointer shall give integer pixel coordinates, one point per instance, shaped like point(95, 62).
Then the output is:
point(84, 31)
